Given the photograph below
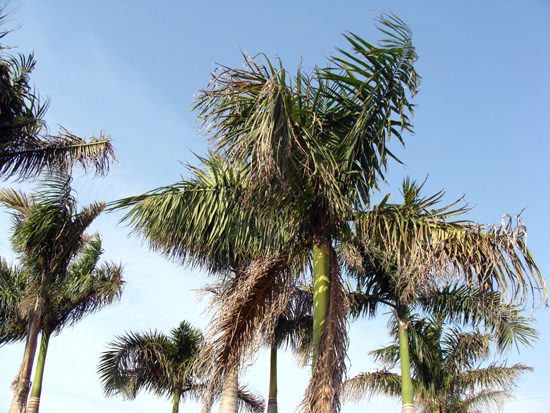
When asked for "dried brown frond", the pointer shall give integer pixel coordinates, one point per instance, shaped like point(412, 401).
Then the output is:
point(323, 392)
point(247, 308)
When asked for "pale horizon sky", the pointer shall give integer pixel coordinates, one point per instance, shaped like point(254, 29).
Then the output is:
point(131, 69)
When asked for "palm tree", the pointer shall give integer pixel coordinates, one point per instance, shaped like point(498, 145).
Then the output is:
point(449, 375)
point(48, 231)
point(85, 289)
point(311, 148)
point(401, 278)
point(160, 364)
point(26, 147)
point(296, 158)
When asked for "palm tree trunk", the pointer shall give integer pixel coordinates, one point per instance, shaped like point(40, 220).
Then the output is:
point(22, 380)
point(321, 293)
point(176, 403)
point(272, 397)
point(228, 402)
point(406, 381)
point(34, 400)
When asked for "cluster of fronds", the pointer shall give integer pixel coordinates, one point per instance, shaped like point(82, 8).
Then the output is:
point(26, 147)
point(247, 309)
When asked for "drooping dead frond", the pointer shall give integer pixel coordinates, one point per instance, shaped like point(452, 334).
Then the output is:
point(247, 309)
point(250, 401)
point(323, 392)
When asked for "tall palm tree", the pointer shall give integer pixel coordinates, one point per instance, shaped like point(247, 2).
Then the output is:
point(48, 231)
point(160, 364)
point(85, 289)
point(449, 373)
point(311, 147)
point(403, 277)
point(296, 158)
point(26, 146)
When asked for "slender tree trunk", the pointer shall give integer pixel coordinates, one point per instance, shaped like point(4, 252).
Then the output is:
point(406, 381)
point(176, 403)
point(34, 400)
point(321, 293)
point(272, 397)
point(22, 382)
point(228, 402)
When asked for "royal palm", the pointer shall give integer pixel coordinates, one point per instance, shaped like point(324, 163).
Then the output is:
point(312, 147)
point(48, 231)
point(85, 289)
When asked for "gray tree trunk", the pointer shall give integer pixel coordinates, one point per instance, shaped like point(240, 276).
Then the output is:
point(229, 400)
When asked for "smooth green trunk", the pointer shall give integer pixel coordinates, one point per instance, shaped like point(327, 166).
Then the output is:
point(407, 393)
point(272, 397)
point(36, 391)
point(321, 292)
point(176, 404)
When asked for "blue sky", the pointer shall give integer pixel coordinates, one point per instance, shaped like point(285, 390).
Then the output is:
point(131, 68)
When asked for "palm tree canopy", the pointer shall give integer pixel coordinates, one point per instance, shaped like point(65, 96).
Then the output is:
point(151, 362)
point(315, 143)
point(420, 242)
point(448, 375)
point(48, 229)
point(85, 289)
point(26, 147)
point(160, 364)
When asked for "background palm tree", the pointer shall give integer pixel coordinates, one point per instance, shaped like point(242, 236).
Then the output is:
point(418, 244)
point(294, 329)
point(26, 146)
point(447, 370)
point(48, 231)
point(160, 364)
point(85, 289)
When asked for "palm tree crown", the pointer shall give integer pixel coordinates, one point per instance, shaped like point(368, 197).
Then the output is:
point(448, 371)
point(26, 147)
point(160, 364)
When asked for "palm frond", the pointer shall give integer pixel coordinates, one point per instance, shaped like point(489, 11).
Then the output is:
point(247, 309)
point(29, 157)
point(202, 221)
point(14, 282)
point(136, 362)
point(249, 401)
point(367, 385)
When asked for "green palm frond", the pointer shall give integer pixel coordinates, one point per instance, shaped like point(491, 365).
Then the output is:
point(14, 282)
point(26, 147)
point(202, 221)
point(465, 304)
point(135, 362)
point(367, 385)
point(418, 240)
point(495, 375)
point(28, 158)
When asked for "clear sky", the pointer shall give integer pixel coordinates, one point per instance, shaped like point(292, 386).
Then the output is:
point(131, 68)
